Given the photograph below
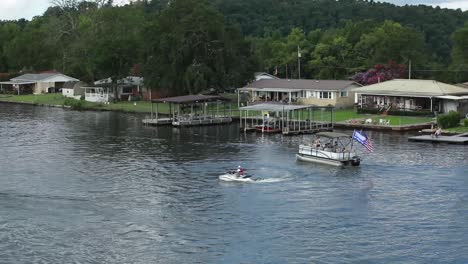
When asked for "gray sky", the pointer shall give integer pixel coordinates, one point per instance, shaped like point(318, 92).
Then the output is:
point(15, 9)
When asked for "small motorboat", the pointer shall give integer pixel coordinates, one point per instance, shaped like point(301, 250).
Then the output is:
point(334, 149)
point(233, 176)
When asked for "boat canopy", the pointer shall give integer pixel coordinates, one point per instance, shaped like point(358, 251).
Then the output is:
point(332, 135)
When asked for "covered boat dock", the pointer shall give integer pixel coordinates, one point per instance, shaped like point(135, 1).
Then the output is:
point(190, 110)
point(286, 118)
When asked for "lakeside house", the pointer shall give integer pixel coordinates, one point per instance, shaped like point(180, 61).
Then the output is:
point(337, 93)
point(412, 97)
point(37, 83)
point(128, 88)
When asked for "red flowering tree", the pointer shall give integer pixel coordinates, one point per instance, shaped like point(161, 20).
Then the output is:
point(380, 73)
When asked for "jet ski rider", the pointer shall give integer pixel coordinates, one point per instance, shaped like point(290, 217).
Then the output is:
point(240, 172)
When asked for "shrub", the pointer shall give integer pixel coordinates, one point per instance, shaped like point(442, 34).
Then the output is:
point(451, 119)
point(73, 103)
point(465, 122)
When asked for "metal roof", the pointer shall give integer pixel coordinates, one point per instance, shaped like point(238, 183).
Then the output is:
point(301, 84)
point(43, 77)
point(332, 134)
point(186, 99)
point(274, 107)
point(17, 82)
point(404, 87)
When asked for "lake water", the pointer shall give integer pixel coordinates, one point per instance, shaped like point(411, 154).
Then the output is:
point(98, 187)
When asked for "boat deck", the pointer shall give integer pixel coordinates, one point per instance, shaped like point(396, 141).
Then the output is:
point(157, 121)
point(457, 139)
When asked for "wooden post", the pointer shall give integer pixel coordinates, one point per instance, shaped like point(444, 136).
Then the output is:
point(156, 111)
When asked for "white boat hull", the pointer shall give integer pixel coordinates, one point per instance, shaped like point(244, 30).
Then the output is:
point(233, 178)
point(310, 154)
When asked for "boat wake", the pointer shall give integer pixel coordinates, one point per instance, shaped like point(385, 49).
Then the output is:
point(270, 180)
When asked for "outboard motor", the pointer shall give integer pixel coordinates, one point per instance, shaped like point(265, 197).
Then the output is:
point(355, 161)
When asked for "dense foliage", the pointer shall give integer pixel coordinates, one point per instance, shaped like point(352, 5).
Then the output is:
point(451, 119)
point(186, 46)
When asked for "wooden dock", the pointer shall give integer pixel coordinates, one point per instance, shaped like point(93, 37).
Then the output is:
point(461, 139)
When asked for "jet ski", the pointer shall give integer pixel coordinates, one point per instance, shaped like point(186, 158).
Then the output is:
point(233, 176)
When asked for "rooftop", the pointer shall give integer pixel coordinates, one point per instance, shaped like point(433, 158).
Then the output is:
point(404, 87)
point(300, 84)
point(38, 77)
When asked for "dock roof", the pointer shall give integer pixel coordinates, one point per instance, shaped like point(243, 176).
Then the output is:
point(275, 107)
point(187, 99)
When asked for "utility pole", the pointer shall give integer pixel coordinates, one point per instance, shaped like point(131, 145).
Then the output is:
point(298, 62)
point(409, 74)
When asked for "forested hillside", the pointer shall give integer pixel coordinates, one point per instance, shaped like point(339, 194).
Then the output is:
point(189, 45)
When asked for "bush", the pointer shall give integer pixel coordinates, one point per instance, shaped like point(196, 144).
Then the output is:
point(451, 119)
point(465, 122)
point(73, 103)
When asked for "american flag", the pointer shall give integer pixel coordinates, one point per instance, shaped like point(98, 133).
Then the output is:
point(363, 140)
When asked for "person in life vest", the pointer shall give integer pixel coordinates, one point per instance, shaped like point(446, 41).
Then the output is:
point(240, 171)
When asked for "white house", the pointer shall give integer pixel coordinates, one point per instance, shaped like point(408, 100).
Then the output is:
point(128, 87)
point(38, 83)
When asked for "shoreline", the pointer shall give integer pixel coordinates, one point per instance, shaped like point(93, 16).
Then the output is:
point(421, 127)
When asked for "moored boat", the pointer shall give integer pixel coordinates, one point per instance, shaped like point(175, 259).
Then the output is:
point(330, 148)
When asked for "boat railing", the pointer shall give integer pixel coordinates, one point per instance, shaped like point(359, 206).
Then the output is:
point(331, 153)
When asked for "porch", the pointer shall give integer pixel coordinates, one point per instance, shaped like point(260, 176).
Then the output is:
point(276, 95)
point(380, 104)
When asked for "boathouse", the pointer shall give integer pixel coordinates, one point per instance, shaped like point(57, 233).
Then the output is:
point(190, 110)
point(286, 118)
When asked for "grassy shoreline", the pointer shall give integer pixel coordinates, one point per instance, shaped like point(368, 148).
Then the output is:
point(340, 115)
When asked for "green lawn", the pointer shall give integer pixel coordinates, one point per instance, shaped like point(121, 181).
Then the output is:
point(136, 107)
point(51, 99)
point(342, 115)
point(339, 115)
point(459, 129)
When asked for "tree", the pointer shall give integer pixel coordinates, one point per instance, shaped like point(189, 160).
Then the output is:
point(392, 41)
point(190, 49)
point(331, 57)
point(381, 73)
point(460, 53)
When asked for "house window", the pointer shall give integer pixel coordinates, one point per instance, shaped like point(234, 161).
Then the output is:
point(325, 95)
point(309, 94)
point(344, 94)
